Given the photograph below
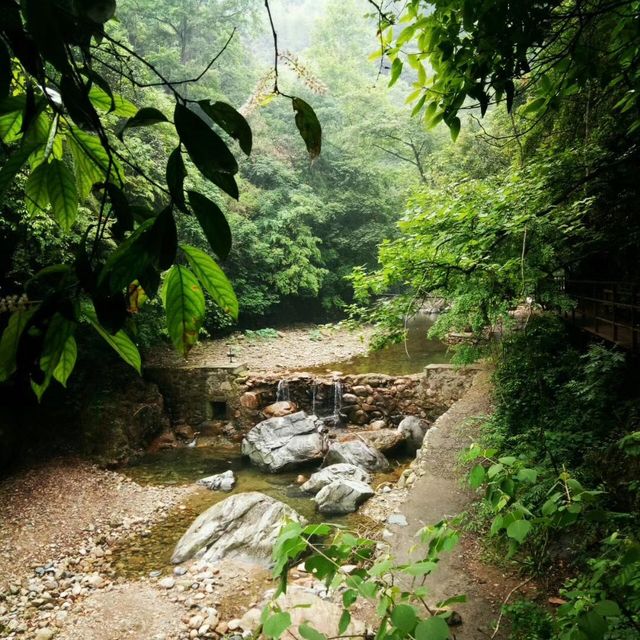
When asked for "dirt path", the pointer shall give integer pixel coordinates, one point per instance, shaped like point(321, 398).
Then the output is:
point(438, 492)
point(291, 348)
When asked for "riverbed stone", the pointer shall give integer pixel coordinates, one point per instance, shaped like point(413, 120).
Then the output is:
point(342, 496)
point(280, 409)
point(358, 453)
point(340, 471)
point(278, 444)
point(380, 439)
point(413, 429)
point(243, 526)
point(219, 481)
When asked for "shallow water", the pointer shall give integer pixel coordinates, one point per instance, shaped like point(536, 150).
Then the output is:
point(409, 356)
point(184, 466)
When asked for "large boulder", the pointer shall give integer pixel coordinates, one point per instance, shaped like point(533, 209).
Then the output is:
point(342, 496)
point(283, 443)
point(341, 471)
point(380, 439)
point(413, 429)
point(244, 526)
point(358, 453)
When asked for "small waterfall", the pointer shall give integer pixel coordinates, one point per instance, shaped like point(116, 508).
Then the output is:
point(337, 400)
point(282, 393)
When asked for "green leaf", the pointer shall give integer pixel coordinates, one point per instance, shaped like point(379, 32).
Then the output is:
point(185, 307)
point(120, 342)
point(309, 633)
point(519, 530)
point(36, 191)
point(10, 341)
point(234, 123)
point(213, 279)
point(205, 147)
point(593, 624)
point(476, 476)
point(434, 628)
point(58, 332)
point(420, 568)
point(176, 173)
point(531, 108)
point(144, 118)
point(527, 475)
point(454, 128)
point(63, 194)
point(276, 624)
point(213, 222)
point(404, 618)
point(67, 361)
point(349, 597)
point(607, 608)
point(344, 622)
point(308, 126)
point(396, 70)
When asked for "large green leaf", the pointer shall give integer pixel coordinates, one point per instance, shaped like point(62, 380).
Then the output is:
point(10, 340)
point(120, 342)
point(176, 173)
point(143, 118)
point(213, 223)
point(276, 624)
point(234, 123)
point(67, 361)
point(404, 618)
point(519, 530)
point(36, 190)
point(309, 633)
point(61, 187)
point(205, 147)
point(213, 279)
point(308, 126)
point(185, 307)
point(58, 333)
point(434, 628)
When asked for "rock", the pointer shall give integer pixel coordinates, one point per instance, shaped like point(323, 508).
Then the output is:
point(250, 400)
point(358, 453)
point(243, 526)
point(377, 424)
point(280, 409)
point(342, 496)
point(278, 444)
point(398, 519)
point(348, 399)
point(381, 439)
point(301, 479)
point(219, 482)
point(44, 634)
point(360, 391)
point(413, 429)
point(340, 471)
point(184, 432)
point(167, 583)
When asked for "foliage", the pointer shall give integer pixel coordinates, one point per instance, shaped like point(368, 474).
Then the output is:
point(492, 51)
point(325, 549)
point(66, 130)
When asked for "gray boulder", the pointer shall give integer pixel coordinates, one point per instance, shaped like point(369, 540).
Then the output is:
point(286, 442)
point(358, 453)
point(341, 471)
point(383, 439)
point(342, 496)
point(219, 482)
point(413, 430)
point(243, 526)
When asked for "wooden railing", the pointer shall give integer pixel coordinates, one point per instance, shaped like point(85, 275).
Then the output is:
point(608, 309)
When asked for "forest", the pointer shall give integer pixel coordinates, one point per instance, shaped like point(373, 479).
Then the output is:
point(371, 267)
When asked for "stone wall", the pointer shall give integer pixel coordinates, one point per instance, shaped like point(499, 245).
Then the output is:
point(226, 400)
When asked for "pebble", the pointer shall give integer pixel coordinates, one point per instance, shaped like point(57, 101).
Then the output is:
point(167, 583)
point(398, 519)
point(45, 634)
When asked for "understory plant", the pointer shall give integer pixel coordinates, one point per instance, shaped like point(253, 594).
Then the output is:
point(352, 566)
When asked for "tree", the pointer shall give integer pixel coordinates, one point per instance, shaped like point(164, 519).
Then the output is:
point(64, 128)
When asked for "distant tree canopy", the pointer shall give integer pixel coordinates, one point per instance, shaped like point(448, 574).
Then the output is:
point(544, 188)
point(66, 158)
